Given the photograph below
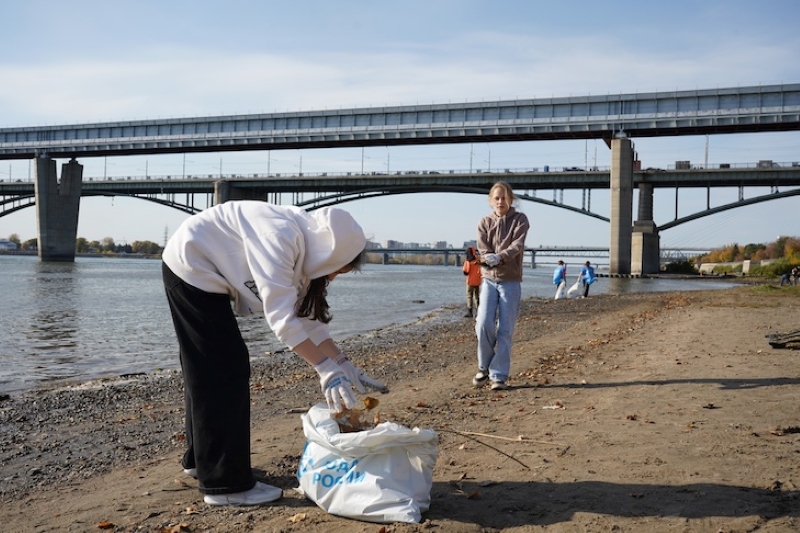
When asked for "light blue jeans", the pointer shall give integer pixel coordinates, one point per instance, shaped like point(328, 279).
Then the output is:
point(497, 318)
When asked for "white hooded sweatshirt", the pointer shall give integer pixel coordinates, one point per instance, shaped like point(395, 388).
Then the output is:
point(264, 256)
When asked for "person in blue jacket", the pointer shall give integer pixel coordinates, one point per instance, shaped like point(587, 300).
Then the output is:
point(587, 277)
point(560, 279)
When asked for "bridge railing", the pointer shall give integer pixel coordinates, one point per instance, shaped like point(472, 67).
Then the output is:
point(678, 166)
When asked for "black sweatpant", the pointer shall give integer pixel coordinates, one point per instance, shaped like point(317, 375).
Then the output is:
point(216, 374)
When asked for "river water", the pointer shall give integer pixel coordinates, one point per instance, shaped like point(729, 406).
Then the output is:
point(101, 317)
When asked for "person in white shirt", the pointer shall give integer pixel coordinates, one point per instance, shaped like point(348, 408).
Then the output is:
point(264, 258)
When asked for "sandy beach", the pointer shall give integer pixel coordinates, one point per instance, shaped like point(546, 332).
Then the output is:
point(641, 412)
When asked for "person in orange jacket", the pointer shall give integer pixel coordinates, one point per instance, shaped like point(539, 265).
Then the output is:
point(472, 269)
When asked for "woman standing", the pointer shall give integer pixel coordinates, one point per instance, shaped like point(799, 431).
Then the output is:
point(501, 245)
point(265, 258)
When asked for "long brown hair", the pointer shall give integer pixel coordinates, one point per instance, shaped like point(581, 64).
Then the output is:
point(315, 304)
point(512, 198)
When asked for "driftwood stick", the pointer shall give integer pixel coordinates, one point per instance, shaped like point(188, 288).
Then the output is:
point(487, 445)
point(512, 439)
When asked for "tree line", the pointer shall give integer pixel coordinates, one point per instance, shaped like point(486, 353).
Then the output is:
point(107, 245)
point(778, 257)
point(782, 248)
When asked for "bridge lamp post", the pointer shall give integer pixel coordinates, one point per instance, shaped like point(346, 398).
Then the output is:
point(363, 157)
point(184, 165)
point(146, 171)
point(470, 158)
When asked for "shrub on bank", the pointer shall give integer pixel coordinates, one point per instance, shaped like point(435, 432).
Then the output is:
point(728, 269)
point(679, 267)
point(775, 268)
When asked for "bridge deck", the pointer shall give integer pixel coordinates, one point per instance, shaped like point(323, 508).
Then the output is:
point(671, 113)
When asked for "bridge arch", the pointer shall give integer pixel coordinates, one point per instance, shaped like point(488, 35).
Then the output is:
point(341, 198)
point(726, 207)
point(191, 210)
point(17, 203)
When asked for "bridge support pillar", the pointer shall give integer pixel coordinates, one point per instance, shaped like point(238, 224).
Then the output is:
point(222, 192)
point(619, 250)
point(57, 207)
point(645, 249)
point(385, 258)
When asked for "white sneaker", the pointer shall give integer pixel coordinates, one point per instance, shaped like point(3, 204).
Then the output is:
point(261, 493)
point(499, 385)
point(192, 472)
point(480, 378)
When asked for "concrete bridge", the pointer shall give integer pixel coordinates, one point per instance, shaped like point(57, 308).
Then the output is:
point(599, 256)
point(616, 119)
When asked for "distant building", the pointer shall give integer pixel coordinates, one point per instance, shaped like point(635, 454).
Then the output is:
point(8, 245)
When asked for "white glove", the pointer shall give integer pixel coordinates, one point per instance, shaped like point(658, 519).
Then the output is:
point(491, 259)
point(335, 385)
point(350, 371)
point(358, 377)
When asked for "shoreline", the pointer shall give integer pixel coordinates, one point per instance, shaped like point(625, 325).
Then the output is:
point(447, 313)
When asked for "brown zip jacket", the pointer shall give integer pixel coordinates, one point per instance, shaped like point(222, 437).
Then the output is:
point(504, 236)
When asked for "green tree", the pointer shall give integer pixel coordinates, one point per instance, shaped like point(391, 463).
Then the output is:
point(14, 238)
point(108, 244)
point(145, 247)
point(750, 250)
point(81, 245)
point(734, 253)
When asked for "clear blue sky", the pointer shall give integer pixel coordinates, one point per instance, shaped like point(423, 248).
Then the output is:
point(68, 62)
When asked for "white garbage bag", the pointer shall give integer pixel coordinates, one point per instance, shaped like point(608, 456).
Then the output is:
point(379, 475)
point(573, 291)
point(561, 290)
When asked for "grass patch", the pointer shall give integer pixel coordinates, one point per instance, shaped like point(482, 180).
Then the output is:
point(786, 290)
